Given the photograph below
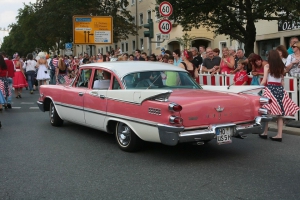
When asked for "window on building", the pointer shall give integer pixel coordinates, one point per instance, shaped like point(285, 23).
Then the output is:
point(106, 48)
point(102, 50)
point(142, 43)
point(133, 45)
point(149, 14)
point(141, 19)
point(109, 48)
point(116, 46)
point(126, 47)
point(132, 2)
point(133, 19)
point(122, 47)
point(265, 46)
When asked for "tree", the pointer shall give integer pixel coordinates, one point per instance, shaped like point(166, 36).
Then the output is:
point(22, 37)
point(186, 40)
point(235, 18)
point(47, 24)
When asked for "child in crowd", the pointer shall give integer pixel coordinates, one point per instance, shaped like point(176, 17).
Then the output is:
point(171, 79)
point(171, 60)
point(241, 77)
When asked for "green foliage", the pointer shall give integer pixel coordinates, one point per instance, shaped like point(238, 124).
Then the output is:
point(186, 40)
point(235, 18)
point(47, 24)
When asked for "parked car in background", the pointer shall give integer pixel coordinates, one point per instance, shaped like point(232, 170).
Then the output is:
point(153, 102)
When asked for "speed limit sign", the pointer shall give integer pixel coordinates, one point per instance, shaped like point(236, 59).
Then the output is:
point(165, 9)
point(165, 26)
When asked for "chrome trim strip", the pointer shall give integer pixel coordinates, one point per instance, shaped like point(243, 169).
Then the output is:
point(124, 101)
point(120, 100)
point(94, 111)
point(151, 123)
point(69, 106)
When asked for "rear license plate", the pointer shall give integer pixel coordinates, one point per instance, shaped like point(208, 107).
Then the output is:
point(224, 135)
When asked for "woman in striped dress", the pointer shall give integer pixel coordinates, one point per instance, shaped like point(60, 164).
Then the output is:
point(281, 104)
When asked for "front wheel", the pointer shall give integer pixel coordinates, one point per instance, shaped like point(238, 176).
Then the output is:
point(55, 120)
point(126, 138)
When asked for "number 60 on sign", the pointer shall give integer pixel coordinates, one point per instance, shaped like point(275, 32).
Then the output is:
point(165, 26)
point(165, 9)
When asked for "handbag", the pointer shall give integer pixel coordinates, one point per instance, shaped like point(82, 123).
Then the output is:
point(255, 81)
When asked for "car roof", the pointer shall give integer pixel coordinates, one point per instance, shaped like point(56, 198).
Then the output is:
point(122, 68)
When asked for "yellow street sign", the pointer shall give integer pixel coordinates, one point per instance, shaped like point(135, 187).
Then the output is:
point(92, 30)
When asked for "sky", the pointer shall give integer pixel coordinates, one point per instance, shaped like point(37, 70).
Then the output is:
point(9, 11)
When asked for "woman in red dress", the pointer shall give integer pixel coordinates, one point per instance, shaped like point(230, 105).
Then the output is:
point(227, 62)
point(19, 80)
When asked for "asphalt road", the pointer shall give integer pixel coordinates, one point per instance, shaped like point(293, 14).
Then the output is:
point(39, 161)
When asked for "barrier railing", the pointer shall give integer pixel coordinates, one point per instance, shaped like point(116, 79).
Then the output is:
point(290, 85)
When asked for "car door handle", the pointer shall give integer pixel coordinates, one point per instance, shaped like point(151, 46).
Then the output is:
point(94, 94)
point(80, 93)
point(102, 96)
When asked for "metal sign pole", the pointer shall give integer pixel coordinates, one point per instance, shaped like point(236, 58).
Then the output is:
point(150, 46)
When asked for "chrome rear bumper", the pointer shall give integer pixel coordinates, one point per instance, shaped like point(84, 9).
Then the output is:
point(170, 135)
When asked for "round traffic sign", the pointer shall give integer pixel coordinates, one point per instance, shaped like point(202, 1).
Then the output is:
point(165, 9)
point(165, 26)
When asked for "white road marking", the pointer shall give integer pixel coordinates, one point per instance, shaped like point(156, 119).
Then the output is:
point(33, 107)
point(27, 102)
point(15, 107)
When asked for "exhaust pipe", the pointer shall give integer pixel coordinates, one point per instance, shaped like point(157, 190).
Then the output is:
point(241, 136)
point(199, 143)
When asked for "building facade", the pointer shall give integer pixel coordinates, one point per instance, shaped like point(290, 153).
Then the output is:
point(270, 34)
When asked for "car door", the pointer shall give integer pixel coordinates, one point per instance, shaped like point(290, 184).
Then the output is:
point(73, 97)
point(95, 101)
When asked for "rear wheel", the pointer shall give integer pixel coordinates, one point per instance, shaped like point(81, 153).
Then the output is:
point(126, 138)
point(55, 120)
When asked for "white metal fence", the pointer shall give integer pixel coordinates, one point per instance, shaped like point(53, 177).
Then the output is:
point(290, 85)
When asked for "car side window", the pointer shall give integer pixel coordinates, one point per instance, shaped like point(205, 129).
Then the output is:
point(116, 84)
point(84, 78)
point(101, 80)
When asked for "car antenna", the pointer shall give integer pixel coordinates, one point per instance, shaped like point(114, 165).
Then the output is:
point(234, 82)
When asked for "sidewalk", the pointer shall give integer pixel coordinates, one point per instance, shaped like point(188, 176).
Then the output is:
point(286, 129)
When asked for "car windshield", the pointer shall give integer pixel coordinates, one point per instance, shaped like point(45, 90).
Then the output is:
point(160, 80)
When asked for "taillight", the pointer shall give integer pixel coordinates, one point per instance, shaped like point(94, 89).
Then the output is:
point(175, 120)
point(175, 107)
point(264, 100)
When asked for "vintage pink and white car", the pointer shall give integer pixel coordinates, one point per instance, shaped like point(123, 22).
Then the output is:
point(154, 102)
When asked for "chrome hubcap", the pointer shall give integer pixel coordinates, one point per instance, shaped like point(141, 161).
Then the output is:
point(124, 133)
point(52, 112)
